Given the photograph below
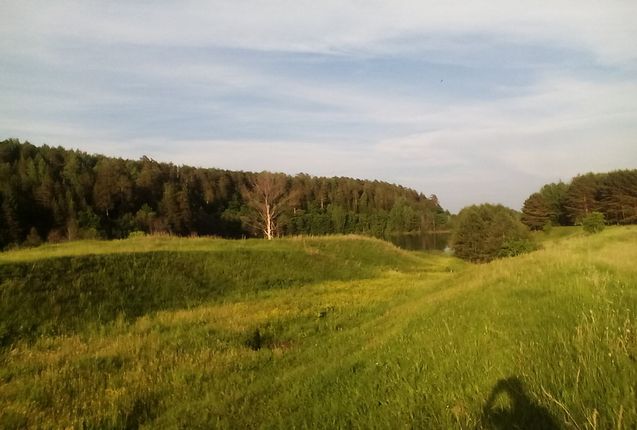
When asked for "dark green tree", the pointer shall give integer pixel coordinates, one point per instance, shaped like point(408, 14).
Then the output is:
point(33, 238)
point(582, 197)
point(149, 183)
point(485, 232)
point(554, 195)
point(113, 189)
point(67, 194)
point(593, 222)
point(618, 197)
point(536, 212)
point(10, 229)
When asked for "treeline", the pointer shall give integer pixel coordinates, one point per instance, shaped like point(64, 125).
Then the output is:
point(55, 194)
point(612, 194)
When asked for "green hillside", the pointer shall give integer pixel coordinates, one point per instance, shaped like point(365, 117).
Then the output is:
point(331, 332)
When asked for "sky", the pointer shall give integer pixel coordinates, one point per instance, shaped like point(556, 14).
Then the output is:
point(473, 101)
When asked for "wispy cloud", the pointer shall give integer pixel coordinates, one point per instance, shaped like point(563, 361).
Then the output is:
point(472, 101)
point(605, 28)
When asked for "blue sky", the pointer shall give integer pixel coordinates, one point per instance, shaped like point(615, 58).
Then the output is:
point(480, 101)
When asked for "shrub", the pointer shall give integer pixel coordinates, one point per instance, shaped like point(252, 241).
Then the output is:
point(511, 248)
point(89, 233)
point(593, 222)
point(255, 341)
point(56, 236)
point(485, 232)
point(33, 238)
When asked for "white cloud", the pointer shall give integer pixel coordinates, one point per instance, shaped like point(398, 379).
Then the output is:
point(464, 149)
point(604, 28)
point(497, 151)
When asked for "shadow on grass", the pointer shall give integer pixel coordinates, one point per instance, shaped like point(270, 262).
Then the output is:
point(61, 295)
point(522, 412)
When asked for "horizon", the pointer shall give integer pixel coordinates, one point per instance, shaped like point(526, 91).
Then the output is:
point(480, 102)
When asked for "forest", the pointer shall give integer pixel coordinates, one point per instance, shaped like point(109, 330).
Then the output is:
point(55, 194)
point(612, 194)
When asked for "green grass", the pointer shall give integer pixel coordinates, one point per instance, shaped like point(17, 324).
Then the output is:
point(558, 233)
point(319, 333)
point(57, 289)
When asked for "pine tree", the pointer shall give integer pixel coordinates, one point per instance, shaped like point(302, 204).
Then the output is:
point(618, 197)
point(536, 212)
point(169, 209)
point(113, 187)
point(554, 195)
point(63, 191)
point(582, 197)
point(12, 230)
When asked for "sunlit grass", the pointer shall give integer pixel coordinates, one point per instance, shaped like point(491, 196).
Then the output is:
point(156, 243)
point(386, 339)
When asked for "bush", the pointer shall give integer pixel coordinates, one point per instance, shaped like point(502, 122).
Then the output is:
point(548, 227)
point(511, 248)
point(56, 236)
point(485, 232)
point(33, 238)
point(593, 222)
point(89, 233)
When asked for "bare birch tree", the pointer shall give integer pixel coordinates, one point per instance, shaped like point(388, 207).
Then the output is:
point(268, 196)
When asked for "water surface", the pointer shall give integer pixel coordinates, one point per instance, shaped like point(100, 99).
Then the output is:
point(420, 241)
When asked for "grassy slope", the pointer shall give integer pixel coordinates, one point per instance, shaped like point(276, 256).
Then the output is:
point(350, 333)
point(56, 289)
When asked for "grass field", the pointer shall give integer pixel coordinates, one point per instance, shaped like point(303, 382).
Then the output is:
point(335, 332)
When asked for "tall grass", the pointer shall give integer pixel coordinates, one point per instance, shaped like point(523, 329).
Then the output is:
point(61, 288)
point(365, 336)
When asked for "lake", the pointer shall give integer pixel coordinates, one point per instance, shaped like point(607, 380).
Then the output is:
point(420, 241)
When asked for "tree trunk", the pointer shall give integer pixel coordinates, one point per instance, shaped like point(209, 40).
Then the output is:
point(268, 221)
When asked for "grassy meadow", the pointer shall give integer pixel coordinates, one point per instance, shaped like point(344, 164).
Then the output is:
point(332, 332)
